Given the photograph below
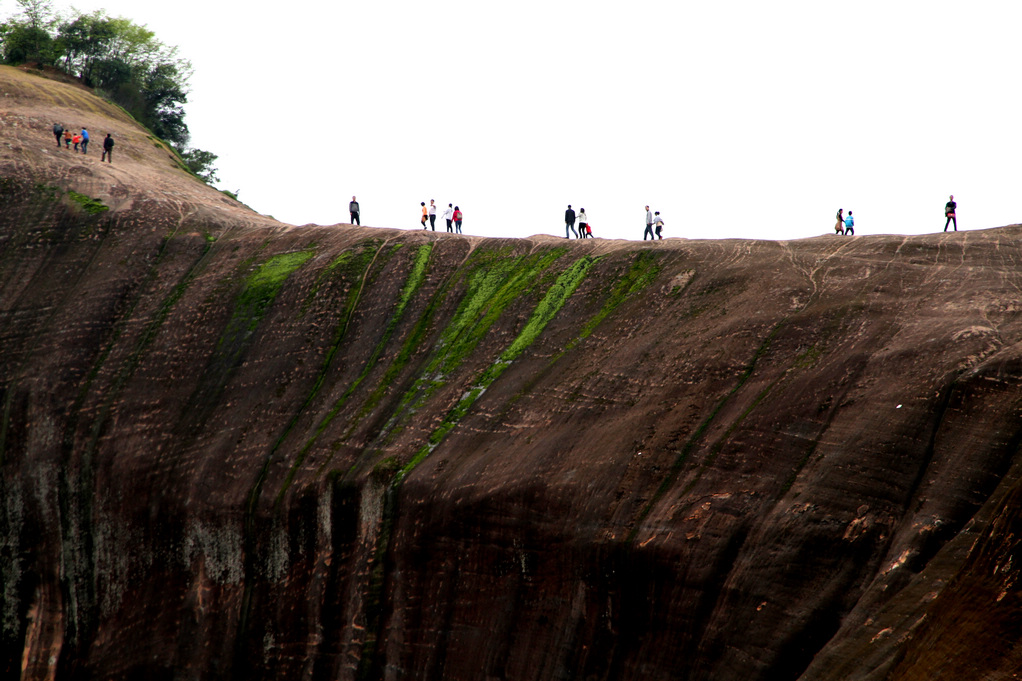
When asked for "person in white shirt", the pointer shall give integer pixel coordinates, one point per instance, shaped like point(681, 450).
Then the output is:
point(432, 215)
point(582, 221)
point(649, 225)
point(449, 215)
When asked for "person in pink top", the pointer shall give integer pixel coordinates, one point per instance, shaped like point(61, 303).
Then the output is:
point(457, 219)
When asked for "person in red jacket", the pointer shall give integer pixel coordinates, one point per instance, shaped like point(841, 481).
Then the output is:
point(457, 219)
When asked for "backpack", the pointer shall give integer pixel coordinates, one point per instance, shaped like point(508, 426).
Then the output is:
point(57, 129)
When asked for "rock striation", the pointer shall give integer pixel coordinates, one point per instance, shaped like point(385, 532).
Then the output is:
point(236, 449)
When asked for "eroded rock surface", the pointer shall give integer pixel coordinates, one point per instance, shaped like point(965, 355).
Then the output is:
point(233, 448)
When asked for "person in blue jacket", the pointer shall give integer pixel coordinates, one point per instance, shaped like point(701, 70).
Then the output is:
point(849, 224)
point(85, 141)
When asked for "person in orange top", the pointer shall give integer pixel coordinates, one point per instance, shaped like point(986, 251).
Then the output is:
point(77, 139)
point(424, 212)
point(67, 139)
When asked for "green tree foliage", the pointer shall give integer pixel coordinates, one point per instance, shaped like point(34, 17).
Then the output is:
point(124, 62)
point(38, 13)
point(29, 39)
point(84, 41)
point(201, 163)
point(23, 43)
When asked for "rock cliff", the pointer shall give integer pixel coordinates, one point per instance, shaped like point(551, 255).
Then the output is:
point(236, 449)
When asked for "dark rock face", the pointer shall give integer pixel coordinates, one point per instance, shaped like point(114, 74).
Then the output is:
point(236, 449)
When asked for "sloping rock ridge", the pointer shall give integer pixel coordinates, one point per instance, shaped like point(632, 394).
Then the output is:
point(236, 449)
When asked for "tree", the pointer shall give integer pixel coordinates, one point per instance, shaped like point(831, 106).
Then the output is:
point(201, 163)
point(38, 13)
point(28, 39)
point(84, 41)
point(110, 75)
point(24, 43)
point(163, 94)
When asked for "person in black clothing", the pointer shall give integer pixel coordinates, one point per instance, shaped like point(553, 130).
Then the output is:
point(949, 213)
point(569, 222)
point(108, 149)
point(353, 209)
point(58, 132)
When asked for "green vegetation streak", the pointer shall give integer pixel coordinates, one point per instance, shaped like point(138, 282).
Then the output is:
point(352, 264)
point(641, 274)
point(90, 205)
point(555, 298)
point(259, 292)
point(494, 282)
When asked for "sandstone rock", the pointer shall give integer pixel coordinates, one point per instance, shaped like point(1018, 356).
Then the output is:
point(233, 448)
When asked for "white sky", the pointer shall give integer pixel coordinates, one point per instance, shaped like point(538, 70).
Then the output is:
point(734, 118)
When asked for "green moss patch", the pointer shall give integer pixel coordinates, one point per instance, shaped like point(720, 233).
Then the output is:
point(88, 204)
point(263, 286)
point(556, 296)
point(641, 274)
point(493, 284)
point(352, 267)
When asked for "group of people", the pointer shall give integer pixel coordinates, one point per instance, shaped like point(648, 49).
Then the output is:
point(846, 223)
point(452, 215)
point(653, 220)
point(81, 139)
point(585, 231)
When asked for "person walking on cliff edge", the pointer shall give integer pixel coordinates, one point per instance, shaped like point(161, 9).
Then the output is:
point(353, 209)
point(58, 132)
point(849, 224)
point(424, 214)
point(108, 150)
point(949, 213)
point(432, 215)
point(839, 228)
point(582, 222)
point(659, 221)
point(458, 217)
point(649, 225)
point(449, 216)
point(569, 223)
point(85, 141)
